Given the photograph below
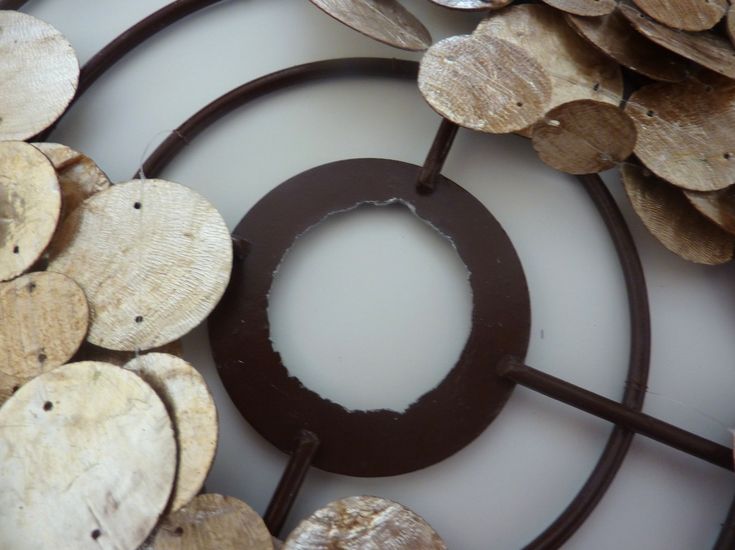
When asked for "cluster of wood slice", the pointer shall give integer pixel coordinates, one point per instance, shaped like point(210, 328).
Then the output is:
point(643, 85)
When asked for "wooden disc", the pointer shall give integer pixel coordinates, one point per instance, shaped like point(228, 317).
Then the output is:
point(584, 137)
point(190, 405)
point(614, 35)
point(718, 206)
point(587, 8)
point(687, 15)
point(576, 70)
point(30, 205)
point(213, 522)
point(484, 83)
point(39, 72)
point(90, 352)
point(706, 48)
point(685, 131)
point(88, 455)
point(153, 258)
point(671, 219)
point(473, 5)
point(384, 20)
point(364, 523)
point(730, 24)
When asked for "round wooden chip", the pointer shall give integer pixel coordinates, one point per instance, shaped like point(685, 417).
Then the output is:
point(687, 15)
point(706, 48)
point(730, 26)
point(669, 216)
point(187, 398)
point(473, 5)
point(216, 522)
point(90, 352)
point(587, 8)
point(576, 70)
point(484, 83)
point(584, 137)
point(614, 35)
point(364, 523)
point(38, 75)
point(30, 205)
point(718, 206)
point(685, 131)
point(384, 20)
point(88, 455)
point(153, 258)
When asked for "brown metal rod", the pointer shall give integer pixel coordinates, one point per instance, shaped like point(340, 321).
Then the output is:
point(11, 4)
point(726, 540)
point(613, 411)
point(437, 156)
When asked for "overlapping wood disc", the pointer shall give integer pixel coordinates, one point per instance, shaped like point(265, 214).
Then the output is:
point(187, 398)
point(88, 457)
point(484, 83)
point(614, 35)
point(213, 522)
point(364, 523)
point(685, 131)
point(153, 258)
point(584, 137)
point(384, 20)
point(730, 24)
point(30, 205)
point(576, 70)
point(718, 206)
point(90, 352)
point(708, 49)
point(473, 5)
point(687, 15)
point(39, 72)
point(669, 216)
point(587, 8)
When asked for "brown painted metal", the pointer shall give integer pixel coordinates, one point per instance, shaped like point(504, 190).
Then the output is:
point(434, 162)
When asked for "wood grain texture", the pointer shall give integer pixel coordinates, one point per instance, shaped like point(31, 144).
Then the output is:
point(213, 522)
point(615, 36)
point(384, 20)
point(730, 23)
point(39, 73)
point(705, 48)
point(584, 137)
point(88, 456)
point(90, 352)
point(687, 15)
point(673, 221)
point(30, 206)
point(718, 206)
point(587, 8)
point(153, 258)
point(484, 83)
point(191, 407)
point(473, 5)
point(685, 131)
point(364, 523)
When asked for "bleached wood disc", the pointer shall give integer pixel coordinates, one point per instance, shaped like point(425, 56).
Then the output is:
point(213, 522)
point(484, 83)
point(90, 352)
point(473, 5)
point(685, 131)
point(587, 8)
point(384, 20)
point(30, 205)
point(673, 221)
point(687, 15)
point(708, 49)
point(88, 455)
point(584, 137)
point(718, 206)
point(187, 398)
point(364, 523)
point(153, 258)
point(614, 35)
point(39, 72)
point(576, 70)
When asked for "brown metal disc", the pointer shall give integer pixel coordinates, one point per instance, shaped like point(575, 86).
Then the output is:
point(372, 442)
point(473, 5)
point(587, 8)
point(686, 15)
point(718, 206)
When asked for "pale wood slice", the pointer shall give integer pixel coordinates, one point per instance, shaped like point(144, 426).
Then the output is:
point(190, 405)
point(384, 20)
point(277, 543)
point(705, 48)
point(587, 8)
point(730, 27)
point(584, 137)
point(718, 206)
point(364, 523)
point(39, 73)
point(90, 352)
point(89, 457)
point(576, 70)
point(484, 83)
point(213, 522)
point(30, 206)
point(153, 258)
point(685, 131)
point(8, 386)
point(673, 221)
point(615, 36)
point(473, 5)
point(687, 15)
